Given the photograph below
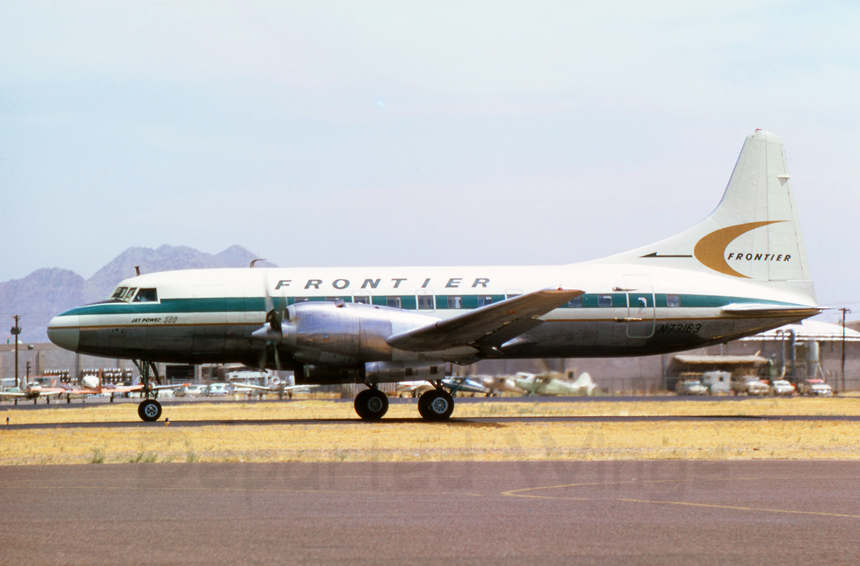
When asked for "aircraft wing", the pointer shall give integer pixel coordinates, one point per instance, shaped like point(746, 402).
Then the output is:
point(277, 389)
point(42, 393)
point(489, 326)
point(13, 394)
point(132, 388)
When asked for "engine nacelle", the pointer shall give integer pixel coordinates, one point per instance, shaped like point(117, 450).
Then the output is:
point(328, 375)
point(338, 333)
point(90, 381)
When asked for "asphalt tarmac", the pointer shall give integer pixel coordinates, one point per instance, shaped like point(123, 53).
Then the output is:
point(628, 512)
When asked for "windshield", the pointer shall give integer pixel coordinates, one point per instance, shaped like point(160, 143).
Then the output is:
point(146, 296)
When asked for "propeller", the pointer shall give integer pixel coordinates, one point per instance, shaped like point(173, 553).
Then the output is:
point(271, 332)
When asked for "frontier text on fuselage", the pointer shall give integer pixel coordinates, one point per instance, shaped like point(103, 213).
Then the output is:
point(395, 282)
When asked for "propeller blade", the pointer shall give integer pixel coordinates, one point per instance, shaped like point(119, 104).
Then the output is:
point(273, 319)
point(277, 357)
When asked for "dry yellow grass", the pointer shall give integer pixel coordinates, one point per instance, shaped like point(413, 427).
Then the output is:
point(420, 441)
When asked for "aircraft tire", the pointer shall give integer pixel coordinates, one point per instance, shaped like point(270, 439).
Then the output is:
point(371, 404)
point(149, 410)
point(436, 405)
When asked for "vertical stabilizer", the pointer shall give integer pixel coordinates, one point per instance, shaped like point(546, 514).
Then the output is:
point(754, 234)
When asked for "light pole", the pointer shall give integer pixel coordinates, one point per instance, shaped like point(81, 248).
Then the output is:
point(844, 310)
point(16, 331)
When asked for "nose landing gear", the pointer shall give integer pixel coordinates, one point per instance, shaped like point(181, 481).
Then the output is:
point(149, 409)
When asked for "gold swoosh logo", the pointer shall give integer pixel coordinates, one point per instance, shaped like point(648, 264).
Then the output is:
point(711, 250)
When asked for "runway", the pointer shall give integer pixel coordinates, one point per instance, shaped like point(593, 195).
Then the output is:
point(629, 512)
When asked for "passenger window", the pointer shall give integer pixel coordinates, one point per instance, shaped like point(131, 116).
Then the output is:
point(120, 291)
point(484, 300)
point(393, 302)
point(604, 300)
point(146, 296)
point(425, 303)
point(673, 300)
point(303, 299)
point(365, 300)
point(455, 302)
point(514, 295)
point(576, 303)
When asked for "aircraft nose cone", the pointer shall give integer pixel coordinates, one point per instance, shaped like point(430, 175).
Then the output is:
point(65, 331)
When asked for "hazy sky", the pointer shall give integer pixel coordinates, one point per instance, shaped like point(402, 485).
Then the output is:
point(379, 133)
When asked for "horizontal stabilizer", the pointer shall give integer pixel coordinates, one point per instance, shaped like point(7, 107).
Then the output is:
point(759, 310)
point(488, 326)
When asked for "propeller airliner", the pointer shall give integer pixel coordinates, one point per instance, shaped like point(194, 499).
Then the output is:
point(740, 271)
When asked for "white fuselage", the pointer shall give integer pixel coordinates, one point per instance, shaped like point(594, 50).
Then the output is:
point(208, 315)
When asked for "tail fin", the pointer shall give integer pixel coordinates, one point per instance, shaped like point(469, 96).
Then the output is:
point(585, 382)
point(753, 234)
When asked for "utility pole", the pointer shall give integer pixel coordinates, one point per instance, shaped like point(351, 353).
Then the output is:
point(844, 310)
point(16, 331)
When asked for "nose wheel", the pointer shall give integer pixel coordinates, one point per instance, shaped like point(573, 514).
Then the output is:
point(371, 404)
point(149, 410)
point(436, 405)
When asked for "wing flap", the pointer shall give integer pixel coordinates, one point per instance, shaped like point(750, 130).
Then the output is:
point(489, 326)
point(757, 310)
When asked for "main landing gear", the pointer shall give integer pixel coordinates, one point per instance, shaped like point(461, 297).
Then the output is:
point(434, 405)
point(371, 404)
point(149, 409)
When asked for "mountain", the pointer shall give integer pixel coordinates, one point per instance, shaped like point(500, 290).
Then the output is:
point(46, 292)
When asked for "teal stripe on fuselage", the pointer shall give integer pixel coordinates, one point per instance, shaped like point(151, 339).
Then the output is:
point(407, 302)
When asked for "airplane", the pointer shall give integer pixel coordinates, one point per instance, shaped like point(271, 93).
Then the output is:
point(413, 388)
point(499, 383)
point(740, 271)
point(464, 384)
point(34, 391)
point(92, 385)
point(273, 385)
point(548, 384)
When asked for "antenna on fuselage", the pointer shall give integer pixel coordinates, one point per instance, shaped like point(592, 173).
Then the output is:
point(253, 261)
point(137, 269)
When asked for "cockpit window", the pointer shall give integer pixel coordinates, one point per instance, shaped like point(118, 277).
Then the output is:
point(146, 296)
point(118, 294)
point(129, 294)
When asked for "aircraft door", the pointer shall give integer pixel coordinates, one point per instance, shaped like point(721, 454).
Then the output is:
point(640, 306)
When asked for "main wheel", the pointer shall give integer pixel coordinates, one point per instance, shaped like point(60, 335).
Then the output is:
point(436, 405)
point(149, 410)
point(371, 404)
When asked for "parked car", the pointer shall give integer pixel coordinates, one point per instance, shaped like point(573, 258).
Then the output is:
point(189, 391)
point(217, 389)
point(750, 385)
point(691, 387)
point(815, 387)
point(781, 388)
